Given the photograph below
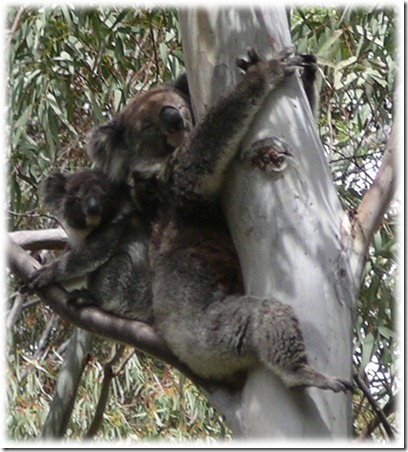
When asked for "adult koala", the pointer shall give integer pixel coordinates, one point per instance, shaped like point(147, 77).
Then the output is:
point(199, 304)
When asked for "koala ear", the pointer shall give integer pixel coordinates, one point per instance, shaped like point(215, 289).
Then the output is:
point(52, 190)
point(103, 142)
point(181, 84)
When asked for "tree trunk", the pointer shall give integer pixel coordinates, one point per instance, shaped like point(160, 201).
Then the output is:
point(293, 239)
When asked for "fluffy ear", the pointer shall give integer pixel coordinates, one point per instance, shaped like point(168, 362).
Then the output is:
point(52, 190)
point(181, 84)
point(105, 143)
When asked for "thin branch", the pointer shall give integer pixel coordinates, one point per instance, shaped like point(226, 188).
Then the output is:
point(377, 199)
point(374, 405)
point(66, 388)
point(387, 410)
point(15, 310)
point(16, 23)
point(108, 375)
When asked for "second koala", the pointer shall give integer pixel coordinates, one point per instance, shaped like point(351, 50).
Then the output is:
point(108, 244)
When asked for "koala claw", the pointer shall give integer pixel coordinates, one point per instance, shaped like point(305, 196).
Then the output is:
point(40, 278)
point(308, 59)
point(287, 57)
point(306, 376)
point(285, 53)
point(346, 385)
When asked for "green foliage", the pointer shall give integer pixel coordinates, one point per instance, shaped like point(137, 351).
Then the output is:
point(357, 74)
point(71, 68)
point(356, 51)
point(149, 400)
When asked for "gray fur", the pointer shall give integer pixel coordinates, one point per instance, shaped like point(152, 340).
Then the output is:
point(199, 304)
point(108, 243)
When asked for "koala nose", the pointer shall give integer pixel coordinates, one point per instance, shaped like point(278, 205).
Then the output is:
point(93, 206)
point(171, 119)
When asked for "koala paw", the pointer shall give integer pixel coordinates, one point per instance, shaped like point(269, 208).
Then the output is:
point(306, 376)
point(42, 277)
point(308, 60)
point(253, 59)
point(269, 155)
point(283, 65)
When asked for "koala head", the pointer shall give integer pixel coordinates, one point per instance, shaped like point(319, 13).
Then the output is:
point(82, 200)
point(144, 133)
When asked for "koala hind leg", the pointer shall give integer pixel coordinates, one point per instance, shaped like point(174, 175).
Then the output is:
point(278, 343)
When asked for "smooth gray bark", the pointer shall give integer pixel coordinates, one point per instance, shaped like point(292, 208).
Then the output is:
point(66, 388)
point(293, 239)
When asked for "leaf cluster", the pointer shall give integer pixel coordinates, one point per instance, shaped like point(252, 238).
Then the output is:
point(70, 69)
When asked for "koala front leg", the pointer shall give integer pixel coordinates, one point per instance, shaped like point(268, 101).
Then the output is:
point(197, 168)
point(77, 262)
point(61, 270)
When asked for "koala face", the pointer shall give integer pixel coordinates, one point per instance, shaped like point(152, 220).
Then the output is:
point(82, 200)
point(142, 135)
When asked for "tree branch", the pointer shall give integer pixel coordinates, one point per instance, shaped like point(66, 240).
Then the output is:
point(377, 199)
point(102, 402)
point(92, 319)
point(66, 388)
point(46, 239)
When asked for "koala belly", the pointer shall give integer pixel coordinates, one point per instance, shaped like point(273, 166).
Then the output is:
point(123, 285)
point(196, 301)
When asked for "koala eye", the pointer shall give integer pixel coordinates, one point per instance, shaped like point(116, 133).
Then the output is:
point(147, 125)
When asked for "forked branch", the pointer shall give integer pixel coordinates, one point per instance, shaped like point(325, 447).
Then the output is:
point(377, 199)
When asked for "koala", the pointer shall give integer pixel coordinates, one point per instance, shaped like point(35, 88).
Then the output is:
point(108, 244)
point(200, 308)
point(144, 133)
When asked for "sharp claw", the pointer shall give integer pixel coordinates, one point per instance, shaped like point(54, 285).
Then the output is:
point(252, 55)
point(242, 64)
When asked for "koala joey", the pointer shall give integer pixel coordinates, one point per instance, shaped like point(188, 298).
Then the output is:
point(108, 244)
point(199, 304)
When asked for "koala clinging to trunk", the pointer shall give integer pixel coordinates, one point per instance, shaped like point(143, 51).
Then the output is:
point(108, 244)
point(199, 304)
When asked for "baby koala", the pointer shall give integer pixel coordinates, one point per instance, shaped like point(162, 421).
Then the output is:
point(108, 244)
